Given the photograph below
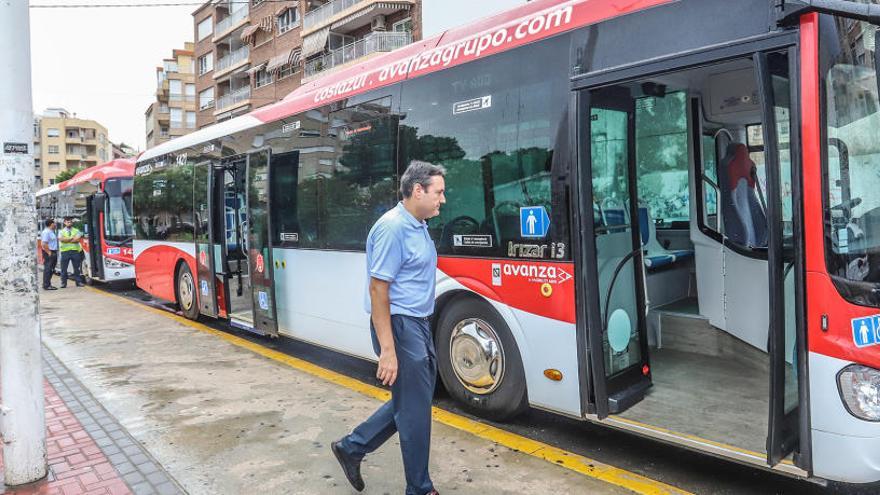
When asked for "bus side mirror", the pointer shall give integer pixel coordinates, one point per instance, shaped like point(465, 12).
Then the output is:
point(98, 202)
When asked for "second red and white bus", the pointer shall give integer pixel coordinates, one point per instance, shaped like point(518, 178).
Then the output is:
point(99, 198)
point(660, 218)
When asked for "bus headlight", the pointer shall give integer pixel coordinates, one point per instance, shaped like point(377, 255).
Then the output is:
point(860, 390)
point(108, 263)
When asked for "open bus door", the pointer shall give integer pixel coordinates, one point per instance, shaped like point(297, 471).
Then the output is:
point(207, 250)
point(259, 243)
point(613, 284)
point(94, 210)
point(240, 213)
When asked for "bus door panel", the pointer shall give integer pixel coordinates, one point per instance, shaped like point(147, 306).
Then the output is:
point(205, 257)
point(94, 209)
point(786, 343)
point(259, 243)
point(230, 224)
point(612, 264)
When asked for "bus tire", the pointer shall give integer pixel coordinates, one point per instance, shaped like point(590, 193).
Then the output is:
point(478, 360)
point(185, 292)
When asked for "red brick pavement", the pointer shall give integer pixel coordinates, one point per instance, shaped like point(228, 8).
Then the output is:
point(77, 466)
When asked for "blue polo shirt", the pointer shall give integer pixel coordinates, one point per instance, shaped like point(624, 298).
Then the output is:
point(400, 251)
point(50, 239)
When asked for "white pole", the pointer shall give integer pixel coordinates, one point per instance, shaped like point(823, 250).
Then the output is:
point(22, 417)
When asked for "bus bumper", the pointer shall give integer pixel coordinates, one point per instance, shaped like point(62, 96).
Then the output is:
point(119, 273)
point(845, 448)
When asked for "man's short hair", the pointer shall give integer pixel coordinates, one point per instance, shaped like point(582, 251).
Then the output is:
point(419, 172)
point(50, 222)
point(68, 218)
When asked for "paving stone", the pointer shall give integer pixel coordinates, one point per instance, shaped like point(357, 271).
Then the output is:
point(167, 489)
point(139, 459)
point(157, 478)
point(117, 458)
point(143, 489)
point(133, 478)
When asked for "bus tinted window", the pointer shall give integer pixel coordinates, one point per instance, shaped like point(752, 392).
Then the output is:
point(493, 125)
point(164, 199)
point(662, 157)
point(362, 186)
point(117, 210)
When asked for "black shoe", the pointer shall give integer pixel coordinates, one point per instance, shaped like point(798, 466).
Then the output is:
point(50, 288)
point(350, 467)
point(80, 285)
point(63, 286)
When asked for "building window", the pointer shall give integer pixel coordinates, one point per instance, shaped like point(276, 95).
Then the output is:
point(206, 99)
point(101, 138)
point(190, 92)
point(403, 26)
point(262, 78)
point(163, 108)
point(53, 132)
point(37, 129)
point(53, 149)
point(163, 132)
point(288, 70)
point(175, 87)
point(54, 165)
point(191, 120)
point(170, 66)
point(256, 2)
point(288, 20)
point(205, 28)
point(176, 117)
point(206, 63)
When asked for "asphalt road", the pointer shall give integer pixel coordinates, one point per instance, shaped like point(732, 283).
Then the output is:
point(695, 472)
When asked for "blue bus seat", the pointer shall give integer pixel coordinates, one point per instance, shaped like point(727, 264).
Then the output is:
point(656, 256)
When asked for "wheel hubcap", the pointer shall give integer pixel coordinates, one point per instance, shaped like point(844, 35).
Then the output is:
point(476, 355)
point(185, 291)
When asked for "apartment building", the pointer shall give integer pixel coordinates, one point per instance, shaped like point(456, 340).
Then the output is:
point(62, 142)
point(173, 113)
point(251, 54)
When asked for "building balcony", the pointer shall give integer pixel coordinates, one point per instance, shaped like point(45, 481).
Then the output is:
point(232, 21)
point(373, 43)
point(341, 13)
point(232, 99)
point(231, 60)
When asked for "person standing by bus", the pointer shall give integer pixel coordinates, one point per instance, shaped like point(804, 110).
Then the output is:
point(71, 252)
point(49, 245)
point(401, 274)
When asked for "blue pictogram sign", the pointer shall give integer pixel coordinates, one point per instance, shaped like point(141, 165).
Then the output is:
point(203, 284)
point(263, 300)
point(866, 331)
point(533, 221)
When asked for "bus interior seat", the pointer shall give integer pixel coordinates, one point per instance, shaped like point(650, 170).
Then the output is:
point(745, 222)
point(656, 256)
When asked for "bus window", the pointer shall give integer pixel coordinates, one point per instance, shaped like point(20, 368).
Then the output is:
point(709, 179)
point(662, 157)
point(493, 124)
point(852, 210)
point(117, 210)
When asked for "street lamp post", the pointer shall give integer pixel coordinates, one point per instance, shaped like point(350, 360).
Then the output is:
point(22, 416)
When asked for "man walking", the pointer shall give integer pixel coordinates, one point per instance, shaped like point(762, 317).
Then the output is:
point(71, 252)
point(49, 245)
point(401, 273)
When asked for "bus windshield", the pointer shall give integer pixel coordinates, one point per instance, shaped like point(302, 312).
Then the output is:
point(117, 211)
point(852, 177)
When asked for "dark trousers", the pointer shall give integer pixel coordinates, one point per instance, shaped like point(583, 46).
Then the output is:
point(49, 262)
point(409, 410)
point(75, 257)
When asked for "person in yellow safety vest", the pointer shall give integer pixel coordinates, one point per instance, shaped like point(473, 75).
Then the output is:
point(71, 252)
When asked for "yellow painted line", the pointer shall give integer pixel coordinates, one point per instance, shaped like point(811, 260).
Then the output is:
point(568, 460)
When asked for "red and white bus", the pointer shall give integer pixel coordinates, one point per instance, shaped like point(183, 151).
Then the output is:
point(99, 198)
point(660, 218)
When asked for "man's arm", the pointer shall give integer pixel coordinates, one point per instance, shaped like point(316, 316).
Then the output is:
point(380, 310)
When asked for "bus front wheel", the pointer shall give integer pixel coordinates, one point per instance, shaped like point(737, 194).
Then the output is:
point(185, 291)
point(478, 360)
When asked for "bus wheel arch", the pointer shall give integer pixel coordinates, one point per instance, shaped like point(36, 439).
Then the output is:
point(185, 293)
point(478, 358)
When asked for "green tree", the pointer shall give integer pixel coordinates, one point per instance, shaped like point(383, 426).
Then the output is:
point(67, 174)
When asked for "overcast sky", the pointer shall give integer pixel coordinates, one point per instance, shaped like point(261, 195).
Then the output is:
point(100, 62)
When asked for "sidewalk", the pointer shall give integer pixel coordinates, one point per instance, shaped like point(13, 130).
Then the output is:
point(88, 451)
point(224, 420)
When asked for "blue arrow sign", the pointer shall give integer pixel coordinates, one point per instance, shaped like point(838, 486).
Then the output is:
point(533, 221)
